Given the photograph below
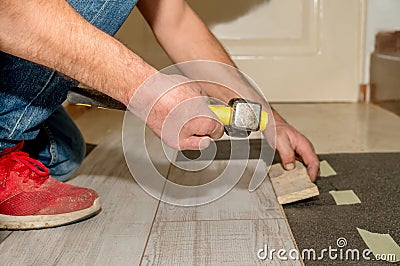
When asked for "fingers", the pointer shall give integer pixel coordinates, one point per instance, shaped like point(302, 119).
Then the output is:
point(306, 150)
point(197, 133)
point(194, 143)
point(186, 119)
point(313, 170)
point(290, 142)
point(210, 127)
point(286, 152)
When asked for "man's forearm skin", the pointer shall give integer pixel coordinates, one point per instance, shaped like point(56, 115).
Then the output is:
point(53, 34)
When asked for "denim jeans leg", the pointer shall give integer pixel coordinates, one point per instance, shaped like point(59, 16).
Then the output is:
point(30, 93)
point(59, 145)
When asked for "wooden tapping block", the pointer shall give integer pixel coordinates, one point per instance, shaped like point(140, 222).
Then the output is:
point(293, 185)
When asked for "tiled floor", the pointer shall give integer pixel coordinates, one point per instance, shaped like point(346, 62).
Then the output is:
point(337, 128)
point(392, 106)
point(97, 123)
point(333, 128)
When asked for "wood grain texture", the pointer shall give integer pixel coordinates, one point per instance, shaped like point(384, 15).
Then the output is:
point(238, 203)
point(134, 228)
point(116, 236)
point(233, 242)
point(228, 231)
point(291, 186)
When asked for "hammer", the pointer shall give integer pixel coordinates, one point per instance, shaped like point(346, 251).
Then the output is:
point(240, 117)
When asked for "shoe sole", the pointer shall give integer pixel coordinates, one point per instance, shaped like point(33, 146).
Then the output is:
point(46, 221)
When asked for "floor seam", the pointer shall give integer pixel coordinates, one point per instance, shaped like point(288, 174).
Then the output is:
point(225, 220)
point(154, 218)
point(5, 238)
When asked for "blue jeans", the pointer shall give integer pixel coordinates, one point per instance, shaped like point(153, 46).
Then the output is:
point(31, 96)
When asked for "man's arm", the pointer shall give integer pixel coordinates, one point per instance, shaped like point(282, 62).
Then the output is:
point(53, 34)
point(185, 37)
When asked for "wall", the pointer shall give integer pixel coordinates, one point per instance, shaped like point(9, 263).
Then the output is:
point(381, 15)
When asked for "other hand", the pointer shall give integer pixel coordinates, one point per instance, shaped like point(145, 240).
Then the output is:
point(290, 142)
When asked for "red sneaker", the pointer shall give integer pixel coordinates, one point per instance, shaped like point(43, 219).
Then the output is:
point(31, 199)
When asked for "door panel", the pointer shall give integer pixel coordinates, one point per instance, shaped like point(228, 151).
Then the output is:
point(296, 50)
point(270, 28)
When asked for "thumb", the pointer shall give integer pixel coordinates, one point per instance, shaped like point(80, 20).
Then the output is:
point(286, 153)
point(195, 143)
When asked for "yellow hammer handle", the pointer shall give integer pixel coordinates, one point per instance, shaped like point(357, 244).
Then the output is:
point(224, 113)
point(263, 121)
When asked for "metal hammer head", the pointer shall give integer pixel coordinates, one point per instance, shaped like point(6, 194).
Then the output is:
point(246, 116)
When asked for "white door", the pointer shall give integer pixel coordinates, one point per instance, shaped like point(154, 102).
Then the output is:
point(296, 50)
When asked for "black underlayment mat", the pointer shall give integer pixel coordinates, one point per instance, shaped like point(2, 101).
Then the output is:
point(223, 151)
point(318, 222)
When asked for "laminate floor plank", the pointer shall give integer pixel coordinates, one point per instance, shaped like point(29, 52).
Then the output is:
point(234, 242)
point(134, 227)
point(116, 236)
point(228, 231)
point(238, 203)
